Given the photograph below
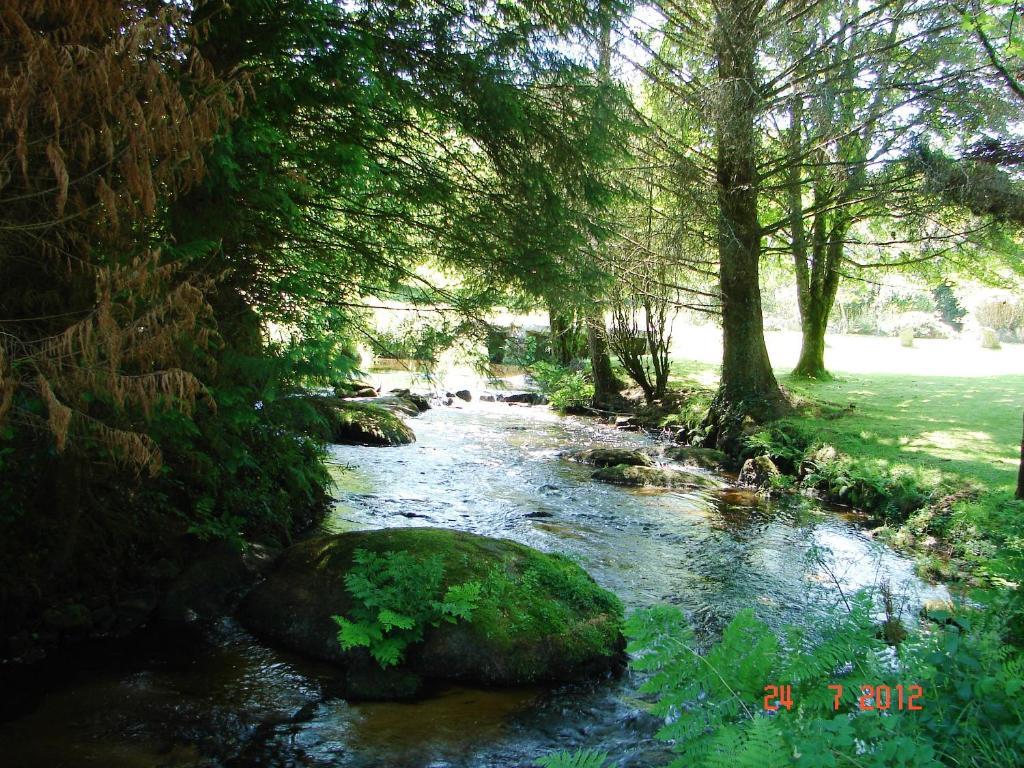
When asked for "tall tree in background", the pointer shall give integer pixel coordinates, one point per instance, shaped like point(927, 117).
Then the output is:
point(858, 87)
point(606, 383)
point(703, 64)
point(747, 379)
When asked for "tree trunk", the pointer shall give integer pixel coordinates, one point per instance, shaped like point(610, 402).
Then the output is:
point(606, 386)
point(1020, 472)
point(567, 343)
point(559, 337)
point(811, 364)
point(747, 378)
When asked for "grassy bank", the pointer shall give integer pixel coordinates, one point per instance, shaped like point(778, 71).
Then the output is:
point(932, 458)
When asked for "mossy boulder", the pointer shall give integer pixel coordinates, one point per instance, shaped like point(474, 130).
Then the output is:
point(396, 404)
point(648, 477)
point(705, 458)
point(759, 472)
point(422, 402)
point(354, 388)
point(351, 423)
point(611, 457)
point(539, 618)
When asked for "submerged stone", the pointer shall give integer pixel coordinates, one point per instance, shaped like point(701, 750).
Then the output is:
point(422, 402)
point(650, 477)
point(610, 457)
point(539, 617)
point(399, 404)
point(525, 398)
point(353, 388)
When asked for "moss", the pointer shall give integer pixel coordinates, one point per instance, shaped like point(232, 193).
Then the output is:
point(527, 597)
point(651, 477)
point(540, 617)
point(610, 457)
point(706, 458)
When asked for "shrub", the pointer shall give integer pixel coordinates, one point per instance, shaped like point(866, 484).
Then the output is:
point(410, 340)
point(1004, 317)
point(567, 388)
point(948, 306)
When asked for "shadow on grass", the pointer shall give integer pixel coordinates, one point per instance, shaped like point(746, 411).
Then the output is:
point(969, 426)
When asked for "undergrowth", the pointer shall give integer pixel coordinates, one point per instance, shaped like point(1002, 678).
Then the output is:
point(567, 388)
point(833, 695)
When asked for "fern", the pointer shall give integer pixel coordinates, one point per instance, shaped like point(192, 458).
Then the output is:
point(712, 702)
point(584, 758)
point(397, 596)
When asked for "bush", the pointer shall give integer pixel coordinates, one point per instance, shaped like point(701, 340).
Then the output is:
point(527, 347)
point(796, 448)
point(410, 340)
point(922, 325)
point(567, 388)
point(1004, 317)
point(948, 306)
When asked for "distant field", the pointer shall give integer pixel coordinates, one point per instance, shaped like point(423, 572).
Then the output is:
point(945, 405)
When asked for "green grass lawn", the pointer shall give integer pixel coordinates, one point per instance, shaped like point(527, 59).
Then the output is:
point(965, 426)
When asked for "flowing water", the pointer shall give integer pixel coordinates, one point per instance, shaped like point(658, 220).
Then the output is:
point(214, 696)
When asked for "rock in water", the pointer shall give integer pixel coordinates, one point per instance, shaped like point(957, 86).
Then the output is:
point(648, 477)
point(353, 388)
point(610, 457)
point(705, 458)
point(351, 423)
point(464, 394)
point(397, 404)
point(758, 472)
point(539, 618)
point(527, 398)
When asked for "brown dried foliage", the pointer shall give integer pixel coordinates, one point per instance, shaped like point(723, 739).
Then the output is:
point(106, 108)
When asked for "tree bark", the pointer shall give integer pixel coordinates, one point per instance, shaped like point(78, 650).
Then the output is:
point(817, 291)
point(812, 346)
point(566, 339)
point(747, 376)
point(606, 386)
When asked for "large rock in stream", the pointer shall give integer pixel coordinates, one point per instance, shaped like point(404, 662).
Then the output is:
point(650, 477)
point(610, 457)
point(361, 423)
point(705, 458)
point(759, 472)
point(539, 618)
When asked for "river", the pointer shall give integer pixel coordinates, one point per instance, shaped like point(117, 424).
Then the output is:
point(215, 696)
